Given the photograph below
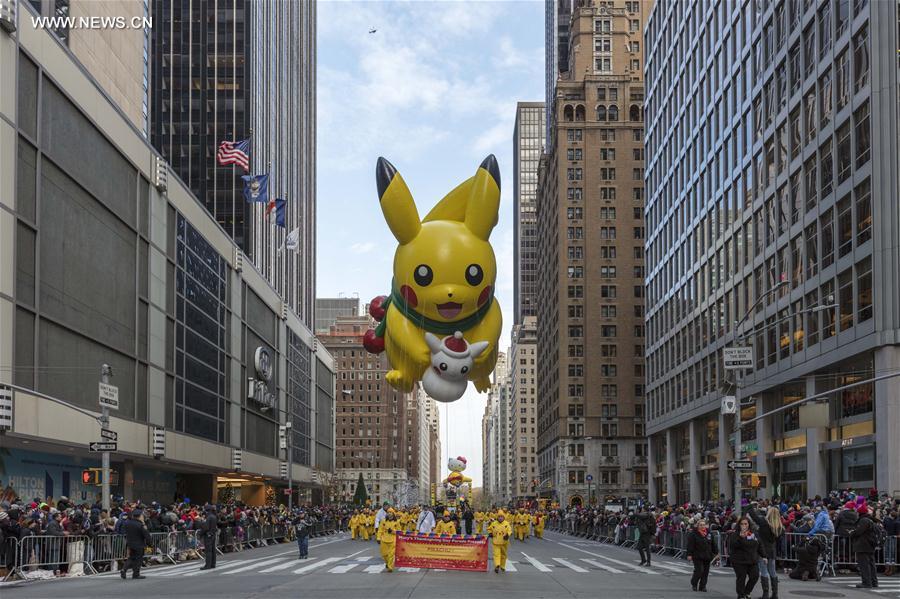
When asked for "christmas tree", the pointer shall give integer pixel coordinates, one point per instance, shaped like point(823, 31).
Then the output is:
point(360, 497)
point(226, 494)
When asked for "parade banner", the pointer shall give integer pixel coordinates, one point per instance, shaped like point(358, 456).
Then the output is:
point(449, 553)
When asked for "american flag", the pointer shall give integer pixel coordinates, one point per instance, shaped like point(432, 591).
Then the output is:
point(238, 153)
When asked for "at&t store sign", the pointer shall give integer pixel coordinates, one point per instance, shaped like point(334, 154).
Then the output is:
point(257, 387)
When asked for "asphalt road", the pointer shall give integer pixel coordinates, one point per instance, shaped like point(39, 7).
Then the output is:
point(338, 568)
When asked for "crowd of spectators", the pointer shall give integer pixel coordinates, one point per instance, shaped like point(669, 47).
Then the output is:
point(66, 518)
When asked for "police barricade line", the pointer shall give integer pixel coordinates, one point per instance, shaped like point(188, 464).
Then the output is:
point(108, 550)
point(842, 553)
point(10, 557)
point(160, 547)
point(183, 545)
point(52, 553)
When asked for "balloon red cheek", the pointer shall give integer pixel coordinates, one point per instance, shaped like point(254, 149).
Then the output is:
point(409, 295)
point(485, 296)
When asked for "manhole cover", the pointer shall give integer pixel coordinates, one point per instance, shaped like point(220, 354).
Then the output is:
point(817, 594)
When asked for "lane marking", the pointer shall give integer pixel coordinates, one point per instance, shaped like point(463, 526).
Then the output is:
point(569, 564)
point(406, 569)
point(536, 563)
point(311, 567)
point(673, 568)
point(609, 559)
point(257, 565)
point(284, 566)
point(597, 564)
point(374, 569)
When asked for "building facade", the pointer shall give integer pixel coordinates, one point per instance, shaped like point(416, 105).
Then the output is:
point(117, 58)
point(229, 70)
point(498, 487)
point(772, 219)
point(433, 418)
point(328, 309)
point(108, 260)
point(418, 431)
point(523, 409)
point(372, 434)
point(590, 262)
point(557, 14)
point(528, 143)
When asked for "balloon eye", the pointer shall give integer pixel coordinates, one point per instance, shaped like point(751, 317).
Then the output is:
point(423, 275)
point(443, 366)
point(474, 274)
point(464, 370)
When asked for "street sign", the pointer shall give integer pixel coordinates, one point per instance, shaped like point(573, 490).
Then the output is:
point(589, 477)
point(740, 464)
point(288, 491)
point(738, 358)
point(104, 446)
point(109, 435)
point(109, 396)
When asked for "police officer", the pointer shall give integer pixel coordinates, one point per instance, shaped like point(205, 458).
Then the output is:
point(137, 537)
point(301, 530)
point(208, 531)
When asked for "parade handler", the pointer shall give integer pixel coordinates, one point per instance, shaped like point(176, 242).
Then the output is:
point(388, 539)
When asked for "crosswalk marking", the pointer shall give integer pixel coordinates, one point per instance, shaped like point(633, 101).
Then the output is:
point(196, 571)
point(597, 564)
point(311, 567)
point(374, 569)
point(672, 568)
point(364, 558)
point(343, 568)
point(615, 561)
point(405, 569)
point(283, 566)
point(511, 566)
point(267, 562)
point(569, 564)
point(536, 563)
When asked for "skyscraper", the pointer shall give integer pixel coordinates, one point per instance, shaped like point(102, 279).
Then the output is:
point(229, 70)
point(528, 143)
point(590, 262)
point(556, 47)
point(772, 217)
point(523, 408)
point(328, 309)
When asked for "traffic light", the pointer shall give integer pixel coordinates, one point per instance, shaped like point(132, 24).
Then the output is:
point(90, 477)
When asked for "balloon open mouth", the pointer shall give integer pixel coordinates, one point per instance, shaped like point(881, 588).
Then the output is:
point(449, 310)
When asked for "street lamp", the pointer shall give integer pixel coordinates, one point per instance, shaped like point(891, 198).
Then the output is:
point(735, 338)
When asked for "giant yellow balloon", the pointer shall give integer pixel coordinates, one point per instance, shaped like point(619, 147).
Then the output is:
point(443, 284)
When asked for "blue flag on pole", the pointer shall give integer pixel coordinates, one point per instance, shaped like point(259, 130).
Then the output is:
point(278, 206)
point(256, 188)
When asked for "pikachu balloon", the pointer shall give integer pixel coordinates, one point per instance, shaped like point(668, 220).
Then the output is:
point(444, 276)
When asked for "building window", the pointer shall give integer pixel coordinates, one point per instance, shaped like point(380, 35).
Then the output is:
point(863, 212)
point(861, 59)
point(863, 135)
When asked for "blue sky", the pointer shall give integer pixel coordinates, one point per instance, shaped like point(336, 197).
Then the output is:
point(434, 91)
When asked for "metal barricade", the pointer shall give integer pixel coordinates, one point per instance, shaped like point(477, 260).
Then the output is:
point(183, 545)
point(52, 553)
point(108, 549)
point(160, 547)
point(9, 556)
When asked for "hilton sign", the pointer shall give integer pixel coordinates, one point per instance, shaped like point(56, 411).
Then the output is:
point(257, 387)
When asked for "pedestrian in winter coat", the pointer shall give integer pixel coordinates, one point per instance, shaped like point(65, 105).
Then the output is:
point(846, 520)
point(701, 550)
point(301, 531)
point(770, 530)
point(209, 530)
point(137, 538)
point(744, 554)
point(863, 539)
point(646, 526)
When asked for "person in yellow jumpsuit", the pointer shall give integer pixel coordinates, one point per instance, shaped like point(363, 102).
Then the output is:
point(522, 520)
point(354, 524)
point(370, 524)
point(479, 522)
point(500, 530)
point(445, 526)
point(364, 525)
point(538, 522)
point(387, 529)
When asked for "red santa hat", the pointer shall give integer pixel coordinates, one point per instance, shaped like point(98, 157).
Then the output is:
point(456, 343)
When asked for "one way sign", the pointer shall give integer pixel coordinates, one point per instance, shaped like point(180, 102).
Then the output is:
point(740, 464)
point(103, 446)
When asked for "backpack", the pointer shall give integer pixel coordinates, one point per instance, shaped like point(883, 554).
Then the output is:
point(879, 534)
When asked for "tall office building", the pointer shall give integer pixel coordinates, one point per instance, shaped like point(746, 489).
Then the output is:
point(590, 262)
point(433, 418)
point(523, 409)
point(556, 47)
point(108, 260)
point(370, 416)
point(117, 58)
point(229, 70)
point(528, 143)
point(328, 309)
point(499, 441)
point(772, 218)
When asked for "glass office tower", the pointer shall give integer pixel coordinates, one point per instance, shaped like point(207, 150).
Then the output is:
point(773, 222)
